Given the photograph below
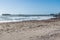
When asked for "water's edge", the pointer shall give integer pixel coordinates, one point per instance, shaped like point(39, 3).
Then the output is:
point(22, 18)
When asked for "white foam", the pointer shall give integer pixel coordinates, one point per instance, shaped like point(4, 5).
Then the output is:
point(17, 19)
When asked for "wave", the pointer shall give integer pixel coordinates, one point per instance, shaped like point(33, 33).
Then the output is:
point(23, 15)
point(23, 18)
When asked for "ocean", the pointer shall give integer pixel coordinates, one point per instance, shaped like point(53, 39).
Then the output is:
point(22, 18)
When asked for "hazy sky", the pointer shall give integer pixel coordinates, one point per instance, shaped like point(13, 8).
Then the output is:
point(29, 6)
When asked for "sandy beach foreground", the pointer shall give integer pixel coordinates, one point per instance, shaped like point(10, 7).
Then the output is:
point(31, 30)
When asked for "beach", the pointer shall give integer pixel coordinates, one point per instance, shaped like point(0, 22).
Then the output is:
point(31, 30)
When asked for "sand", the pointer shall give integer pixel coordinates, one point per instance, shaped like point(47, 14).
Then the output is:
point(31, 30)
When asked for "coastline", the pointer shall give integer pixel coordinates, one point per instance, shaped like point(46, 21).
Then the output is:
point(31, 30)
point(18, 19)
point(27, 20)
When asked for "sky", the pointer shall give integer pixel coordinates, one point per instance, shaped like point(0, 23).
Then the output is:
point(29, 6)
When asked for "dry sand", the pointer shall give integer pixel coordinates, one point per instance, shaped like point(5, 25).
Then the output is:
point(31, 30)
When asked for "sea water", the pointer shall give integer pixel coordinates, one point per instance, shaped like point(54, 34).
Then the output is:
point(22, 18)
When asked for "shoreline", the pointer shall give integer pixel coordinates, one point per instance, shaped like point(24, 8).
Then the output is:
point(27, 20)
point(31, 30)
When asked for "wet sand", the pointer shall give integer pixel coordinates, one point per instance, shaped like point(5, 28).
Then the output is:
point(31, 30)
